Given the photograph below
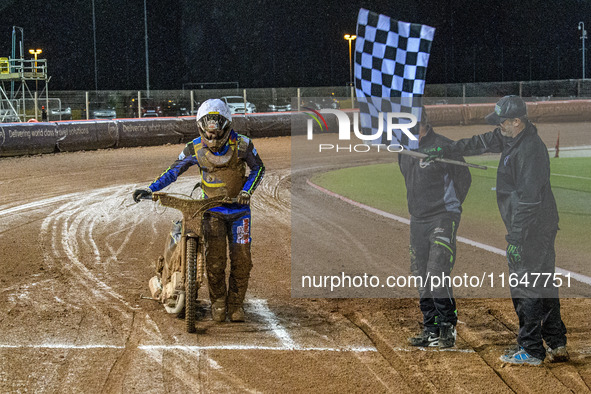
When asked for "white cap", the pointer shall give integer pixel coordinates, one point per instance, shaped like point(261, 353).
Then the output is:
point(214, 106)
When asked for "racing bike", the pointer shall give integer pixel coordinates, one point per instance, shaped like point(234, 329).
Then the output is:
point(182, 267)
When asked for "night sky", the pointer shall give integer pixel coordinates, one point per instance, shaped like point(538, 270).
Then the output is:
point(264, 43)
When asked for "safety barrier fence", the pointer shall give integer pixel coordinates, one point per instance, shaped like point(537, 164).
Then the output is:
point(66, 136)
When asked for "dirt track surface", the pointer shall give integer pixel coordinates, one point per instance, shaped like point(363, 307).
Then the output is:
point(77, 253)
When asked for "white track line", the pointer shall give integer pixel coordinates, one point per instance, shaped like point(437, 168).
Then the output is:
point(572, 176)
point(553, 174)
point(193, 348)
point(358, 204)
point(64, 225)
point(261, 309)
point(196, 348)
point(189, 348)
point(60, 346)
point(70, 247)
point(576, 276)
point(39, 204)
point(427, 349)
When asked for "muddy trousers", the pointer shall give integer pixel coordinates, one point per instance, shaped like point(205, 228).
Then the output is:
point(537, 305)
point(227, 232)
point(433, 253)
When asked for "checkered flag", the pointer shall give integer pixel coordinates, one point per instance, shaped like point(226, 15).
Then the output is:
point(391, 60)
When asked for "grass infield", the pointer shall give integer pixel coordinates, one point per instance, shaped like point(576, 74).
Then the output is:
point(382, 186)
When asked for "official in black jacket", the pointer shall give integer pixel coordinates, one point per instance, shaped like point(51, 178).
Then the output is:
point(435, 193)
point(528, 209)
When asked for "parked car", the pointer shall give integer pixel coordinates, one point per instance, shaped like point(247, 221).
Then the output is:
point(103, 113)
point(236, 105)
point(150, 113)
point(318, 103)
point(99, 110)
point(173, 108)
point(280, 106)
point(151, 108)
point(60, 114)
point(154, 108)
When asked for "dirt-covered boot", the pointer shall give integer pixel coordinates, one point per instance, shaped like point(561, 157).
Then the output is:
point(236, 314)
point(218, 310)
point(427, 338)
point(558, 354)
point(447, 335)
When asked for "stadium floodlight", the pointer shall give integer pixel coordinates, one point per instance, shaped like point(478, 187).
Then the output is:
point(350, 37)
point(583, 38)
point(35, 52)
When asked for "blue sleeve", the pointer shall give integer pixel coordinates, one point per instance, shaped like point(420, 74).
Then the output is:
point(256, 166)
point(186, 159)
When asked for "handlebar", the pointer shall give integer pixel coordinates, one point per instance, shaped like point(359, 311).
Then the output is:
point(177, 198)
point(226, 200)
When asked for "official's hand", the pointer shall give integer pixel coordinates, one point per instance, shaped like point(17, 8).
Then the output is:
point(514, 253)
point(243, 198)
point(436, 152)
point(140, 194)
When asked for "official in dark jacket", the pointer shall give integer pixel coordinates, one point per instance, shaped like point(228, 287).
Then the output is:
point(435, 193)
point(528, 209)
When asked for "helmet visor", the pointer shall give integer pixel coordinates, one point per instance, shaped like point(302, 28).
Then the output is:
point(214, 129)
point(214, 126)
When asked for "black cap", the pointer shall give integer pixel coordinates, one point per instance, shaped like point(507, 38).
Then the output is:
point(509, 107)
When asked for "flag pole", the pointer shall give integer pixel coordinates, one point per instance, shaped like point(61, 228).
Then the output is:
point(419, 155)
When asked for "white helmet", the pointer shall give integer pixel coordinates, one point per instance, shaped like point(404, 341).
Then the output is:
point(214, 121)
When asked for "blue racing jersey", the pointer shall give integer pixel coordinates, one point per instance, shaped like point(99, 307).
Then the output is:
point(238, 147)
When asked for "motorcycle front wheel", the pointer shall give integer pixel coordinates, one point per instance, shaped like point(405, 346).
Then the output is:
point(191, 286)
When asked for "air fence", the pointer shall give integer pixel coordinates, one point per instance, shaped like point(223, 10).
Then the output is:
point(111, 119)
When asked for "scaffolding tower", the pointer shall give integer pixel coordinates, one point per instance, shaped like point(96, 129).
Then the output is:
point(19, 103)
point(22, 83)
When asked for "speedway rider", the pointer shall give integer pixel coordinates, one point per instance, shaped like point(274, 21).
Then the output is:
point(222, 156)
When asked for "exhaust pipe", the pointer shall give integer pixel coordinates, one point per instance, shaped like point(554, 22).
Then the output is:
point(180, 304)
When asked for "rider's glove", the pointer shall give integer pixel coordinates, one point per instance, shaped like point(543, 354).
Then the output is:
point(514, 253)
point(243, 198)
point(140, 194)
